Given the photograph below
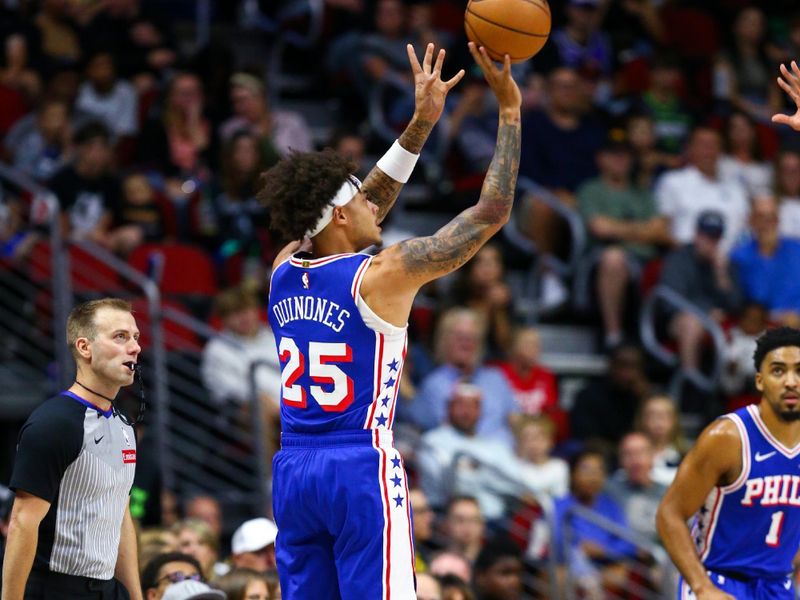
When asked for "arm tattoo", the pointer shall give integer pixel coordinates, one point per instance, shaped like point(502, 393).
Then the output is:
point(382, 189)
point(455, 243)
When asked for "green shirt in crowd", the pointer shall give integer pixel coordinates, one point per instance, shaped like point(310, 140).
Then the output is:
point(595, 198)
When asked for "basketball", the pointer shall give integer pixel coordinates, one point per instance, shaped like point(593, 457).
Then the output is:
point(518, 28)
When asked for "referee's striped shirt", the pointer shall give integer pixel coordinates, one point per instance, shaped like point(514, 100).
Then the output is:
point(82, 461)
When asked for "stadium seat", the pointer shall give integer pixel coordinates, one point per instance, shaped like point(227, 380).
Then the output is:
point(88, 274)
point(177, 337)
point(177, 268)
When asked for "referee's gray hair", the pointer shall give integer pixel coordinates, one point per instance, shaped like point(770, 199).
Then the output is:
point(80, 322)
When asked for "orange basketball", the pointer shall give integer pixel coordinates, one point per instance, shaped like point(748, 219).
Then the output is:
point(518, 28)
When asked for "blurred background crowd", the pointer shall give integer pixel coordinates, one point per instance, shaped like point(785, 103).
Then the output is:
point(566, 367)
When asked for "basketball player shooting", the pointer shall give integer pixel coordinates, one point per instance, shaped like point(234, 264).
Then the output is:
point(741, 483)
point(340, 494)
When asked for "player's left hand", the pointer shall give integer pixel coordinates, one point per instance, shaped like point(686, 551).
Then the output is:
point(790, 83)
point(429, 89)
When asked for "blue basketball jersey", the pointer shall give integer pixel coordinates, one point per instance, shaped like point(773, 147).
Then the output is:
point(752, 526)
point(340, 362)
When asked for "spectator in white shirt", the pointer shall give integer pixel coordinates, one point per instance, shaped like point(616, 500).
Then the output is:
point(540, 472)
point(658, 420)
point(682, 194)
point(113, 101)
point(743, 160)
point(227, 359)
point(454, 458)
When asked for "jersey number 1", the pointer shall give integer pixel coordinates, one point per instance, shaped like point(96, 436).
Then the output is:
point(321, 355)
point(774, 536)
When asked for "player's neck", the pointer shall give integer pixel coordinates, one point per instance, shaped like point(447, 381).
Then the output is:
point(330, 245)
point(786, 432)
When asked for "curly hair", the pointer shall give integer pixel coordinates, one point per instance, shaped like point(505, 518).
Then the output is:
point(780, 337)
point(298, 188)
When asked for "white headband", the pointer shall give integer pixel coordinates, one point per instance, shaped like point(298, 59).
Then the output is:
point(349, 189)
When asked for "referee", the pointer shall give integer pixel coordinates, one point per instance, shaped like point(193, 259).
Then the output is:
point(71, 534)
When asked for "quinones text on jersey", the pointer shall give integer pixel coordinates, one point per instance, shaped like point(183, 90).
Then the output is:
point(311, 308)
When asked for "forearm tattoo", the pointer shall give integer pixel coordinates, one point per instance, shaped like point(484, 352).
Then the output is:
point(382, 189)
point(455, 243)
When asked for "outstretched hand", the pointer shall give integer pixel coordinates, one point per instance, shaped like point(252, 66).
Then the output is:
point(500, 80)
point(790, 82)
point(429, 89)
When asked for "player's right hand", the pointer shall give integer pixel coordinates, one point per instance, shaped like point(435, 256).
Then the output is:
point(500, 80)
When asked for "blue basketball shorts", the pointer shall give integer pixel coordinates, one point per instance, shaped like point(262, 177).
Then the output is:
point(744, 589)
point(340, 501)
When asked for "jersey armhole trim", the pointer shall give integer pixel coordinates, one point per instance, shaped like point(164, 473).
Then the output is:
point(372, 320)
point(275, 270)
point(737, 420)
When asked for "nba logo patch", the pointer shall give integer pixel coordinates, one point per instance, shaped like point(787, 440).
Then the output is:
point(304, 278)
point(129, 456)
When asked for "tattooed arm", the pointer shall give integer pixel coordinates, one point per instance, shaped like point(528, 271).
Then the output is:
point(429, 97)
point(398, 272)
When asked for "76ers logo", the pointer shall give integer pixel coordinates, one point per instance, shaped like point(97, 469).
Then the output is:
point(305, 281)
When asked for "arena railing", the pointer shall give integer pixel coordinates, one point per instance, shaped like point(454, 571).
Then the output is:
point(34, 302)
point(556, 578)
point(565, 267)
point(649, 321)
point(651, 577)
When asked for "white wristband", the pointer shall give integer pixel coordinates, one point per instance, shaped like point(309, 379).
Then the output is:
point(398, 163)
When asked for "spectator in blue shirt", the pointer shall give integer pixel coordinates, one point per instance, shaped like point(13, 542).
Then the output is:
point(765, 262)
point(459, 350)
point(590, 549)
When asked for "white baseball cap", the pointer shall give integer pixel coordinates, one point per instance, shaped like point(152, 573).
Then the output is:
point(253, 535)
point(192, 590)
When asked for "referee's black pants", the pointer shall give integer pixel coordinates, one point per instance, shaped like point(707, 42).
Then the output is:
point(57, 586)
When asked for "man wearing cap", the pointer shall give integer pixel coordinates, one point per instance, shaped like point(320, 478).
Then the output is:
point(702, 274)
point(192, 590)
point(625, 229)
point(253, 545)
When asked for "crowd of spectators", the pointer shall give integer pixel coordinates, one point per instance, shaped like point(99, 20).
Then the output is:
point(646, 119)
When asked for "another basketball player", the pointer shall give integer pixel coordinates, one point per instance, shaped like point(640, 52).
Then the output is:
point(340, 493)
point(742, 484)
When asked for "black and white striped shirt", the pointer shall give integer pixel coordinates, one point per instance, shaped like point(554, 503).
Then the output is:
point(82, 460)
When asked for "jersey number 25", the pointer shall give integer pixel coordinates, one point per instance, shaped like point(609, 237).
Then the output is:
point(321, 370)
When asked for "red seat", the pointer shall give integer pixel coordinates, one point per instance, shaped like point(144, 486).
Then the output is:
point(87, 272)
point(185, 269)
point(691, 32)
point(177, 337)
point(651, 273)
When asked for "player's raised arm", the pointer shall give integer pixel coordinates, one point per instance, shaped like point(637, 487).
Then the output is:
point(405, 267)
point(790, 82)
point(384, 181)
point(716, 459)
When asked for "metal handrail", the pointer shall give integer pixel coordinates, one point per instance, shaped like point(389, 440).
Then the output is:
point(512, 231)
point(45, 209)
point(647, 332)
point(264, 469)
point(577, 230)
point(544, 504)
point(285, 38)
point(633, 537)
